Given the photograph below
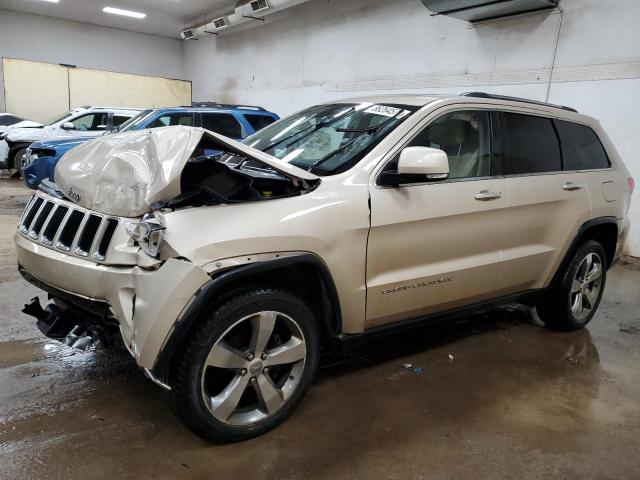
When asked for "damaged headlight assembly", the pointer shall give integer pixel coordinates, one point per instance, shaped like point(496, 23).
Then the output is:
point(148, 234)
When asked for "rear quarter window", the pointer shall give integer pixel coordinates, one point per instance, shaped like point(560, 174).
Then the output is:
point(529, 145)
point(581, 147)
point(258, 122)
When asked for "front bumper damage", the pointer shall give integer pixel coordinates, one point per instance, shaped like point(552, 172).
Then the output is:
point(145, 302)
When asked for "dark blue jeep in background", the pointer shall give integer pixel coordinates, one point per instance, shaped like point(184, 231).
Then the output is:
point(233, 121)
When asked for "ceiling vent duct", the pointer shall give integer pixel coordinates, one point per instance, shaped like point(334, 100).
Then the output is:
point(478, 10)
point(220, 23)
point(258, 5)
point(187, 34)
point(244, 12)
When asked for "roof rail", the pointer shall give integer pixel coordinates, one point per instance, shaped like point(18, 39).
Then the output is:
point(516, 99)
point(226, 105)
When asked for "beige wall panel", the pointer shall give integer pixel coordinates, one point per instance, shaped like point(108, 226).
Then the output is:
point(35, 90)
point(96, 87)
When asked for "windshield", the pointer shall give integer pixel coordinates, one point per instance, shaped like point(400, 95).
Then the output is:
point(59, 118)
point(133, 122)
point(329, 139)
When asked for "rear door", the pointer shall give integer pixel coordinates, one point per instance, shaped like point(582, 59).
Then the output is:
point(546, 206)
point(435, 246)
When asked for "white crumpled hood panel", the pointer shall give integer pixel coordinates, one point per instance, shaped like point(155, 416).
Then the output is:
point(125, 173)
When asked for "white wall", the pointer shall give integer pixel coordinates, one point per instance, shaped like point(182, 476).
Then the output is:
point(329, 49)
point(45, 39)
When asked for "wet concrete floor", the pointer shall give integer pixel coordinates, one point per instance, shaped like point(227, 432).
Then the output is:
point(494, 396)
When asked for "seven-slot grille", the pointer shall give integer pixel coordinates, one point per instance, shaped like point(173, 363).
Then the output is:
point(66, 228)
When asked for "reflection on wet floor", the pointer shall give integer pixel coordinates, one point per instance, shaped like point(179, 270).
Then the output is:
point(491, 396)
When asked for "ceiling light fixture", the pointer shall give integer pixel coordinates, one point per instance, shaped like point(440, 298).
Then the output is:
point(119, 11)
point(50, 1)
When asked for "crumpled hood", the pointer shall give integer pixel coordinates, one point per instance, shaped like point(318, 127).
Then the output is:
point(125, 173)
point(22, 124)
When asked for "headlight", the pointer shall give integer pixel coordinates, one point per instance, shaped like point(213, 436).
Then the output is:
point(149, 235)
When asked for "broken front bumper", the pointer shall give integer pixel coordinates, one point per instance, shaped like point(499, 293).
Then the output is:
point(145, 302)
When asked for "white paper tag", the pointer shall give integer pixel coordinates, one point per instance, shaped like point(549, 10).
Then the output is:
point(383, 110)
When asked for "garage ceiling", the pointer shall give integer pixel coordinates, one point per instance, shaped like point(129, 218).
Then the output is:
point(164, 17)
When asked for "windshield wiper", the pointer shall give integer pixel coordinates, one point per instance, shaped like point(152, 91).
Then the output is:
point(317, 127)
point(362, 131)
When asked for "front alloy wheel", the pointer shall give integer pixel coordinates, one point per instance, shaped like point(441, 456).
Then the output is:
point(246, 367)
point(253, 368)
point(20, 161)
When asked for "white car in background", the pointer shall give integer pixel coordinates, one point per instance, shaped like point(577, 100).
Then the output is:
point(9, 121)
point(78, 122)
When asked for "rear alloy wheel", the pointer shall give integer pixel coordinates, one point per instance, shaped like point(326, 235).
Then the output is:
point(247, 367)
point(586, 286)
point(573, 303)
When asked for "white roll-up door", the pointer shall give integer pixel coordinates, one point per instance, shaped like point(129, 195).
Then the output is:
point(34, 90)
point(40, 91)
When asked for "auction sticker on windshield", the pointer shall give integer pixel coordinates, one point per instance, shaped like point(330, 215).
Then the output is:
point(383, 110)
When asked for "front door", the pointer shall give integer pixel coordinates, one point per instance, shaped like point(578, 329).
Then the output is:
point(436, 246)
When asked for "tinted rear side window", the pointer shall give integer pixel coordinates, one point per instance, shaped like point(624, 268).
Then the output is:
point(529, 145)
point(258, 122)
point(581, 148)
point(222, 123)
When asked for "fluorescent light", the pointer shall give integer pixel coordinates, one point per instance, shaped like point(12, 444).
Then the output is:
point(50, 1)
point(119, 11)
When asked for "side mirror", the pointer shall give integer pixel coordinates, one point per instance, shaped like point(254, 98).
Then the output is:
point(68, 126)
point(416, 165)
point(427, 161)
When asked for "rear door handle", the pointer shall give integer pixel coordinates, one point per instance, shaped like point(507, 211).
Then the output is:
point(572, 186)
point(485, 195)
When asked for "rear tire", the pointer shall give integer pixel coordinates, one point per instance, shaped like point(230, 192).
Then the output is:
point(573, 302)
point(222, 389)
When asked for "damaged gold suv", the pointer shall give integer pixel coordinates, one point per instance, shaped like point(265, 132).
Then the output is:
point(226, 267)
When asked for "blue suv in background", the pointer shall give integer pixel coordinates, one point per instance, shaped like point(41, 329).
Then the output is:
point(233, 121)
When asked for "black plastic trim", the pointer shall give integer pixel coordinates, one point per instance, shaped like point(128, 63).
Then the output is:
point(350, 341)
point(576, 241)
point(207, 293)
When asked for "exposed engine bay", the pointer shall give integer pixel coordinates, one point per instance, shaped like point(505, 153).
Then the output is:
point(226, 179)
point(132, 173)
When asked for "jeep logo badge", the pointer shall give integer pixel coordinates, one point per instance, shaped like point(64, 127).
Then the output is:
point(256, 368)
point(73, 194)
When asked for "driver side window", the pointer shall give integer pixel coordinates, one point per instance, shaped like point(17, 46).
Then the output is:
point(465, 137)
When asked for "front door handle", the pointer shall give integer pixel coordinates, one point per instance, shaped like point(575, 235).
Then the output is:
point(485, 195)
point(572, 186)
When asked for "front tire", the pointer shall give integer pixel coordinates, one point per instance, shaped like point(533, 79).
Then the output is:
point(247, 367)
point(18, 162)
point(573, 302)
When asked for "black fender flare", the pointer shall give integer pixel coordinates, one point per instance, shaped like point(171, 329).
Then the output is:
point(576, 242)
point(206, 294)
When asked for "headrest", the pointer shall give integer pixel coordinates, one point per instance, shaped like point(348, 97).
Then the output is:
point(450, 132)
